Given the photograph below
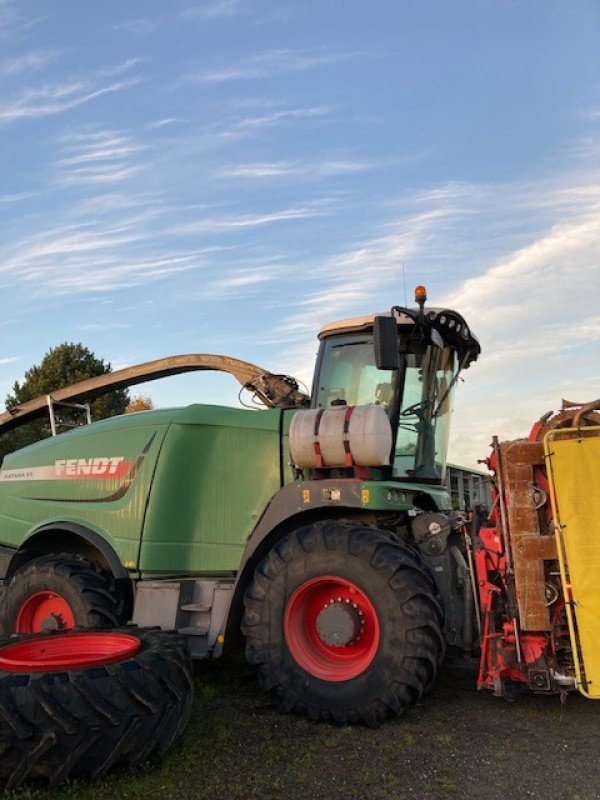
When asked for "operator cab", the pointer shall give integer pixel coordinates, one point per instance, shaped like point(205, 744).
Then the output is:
point(408, 362)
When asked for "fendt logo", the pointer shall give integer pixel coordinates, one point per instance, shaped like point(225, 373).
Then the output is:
point(64, 469)
point(91, 467)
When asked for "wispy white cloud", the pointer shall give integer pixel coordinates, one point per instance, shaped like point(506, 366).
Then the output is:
point(141, 26)
point(10, 17)
point(118, 69)
point(14, 23)
point(66, 244)
point(114, 239)
point(32, 61)
point(586, 148)
point(92, 157)
point(115, 202)
point(116, 149)
point(55, 99)
point(204, 11)
point(245, 221)
point(92, 176)
point(8, 360)
point(282, 169)
point(161, 123)
point(273, 62)
point(104, 326)
point(95, 257)
point(283, 114)
point(214, 9)
point(17, 197)
point(235, 126)
point(51, 99)
point(242, 281)
point(590, 114)
point(349, 279)
point(242, 127)
point(258, 170)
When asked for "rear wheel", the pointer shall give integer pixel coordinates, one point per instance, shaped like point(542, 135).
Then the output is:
point(58, 592)
point(77, 703)
point(343, 623)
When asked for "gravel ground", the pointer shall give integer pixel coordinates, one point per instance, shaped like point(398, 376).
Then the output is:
point(456, 743)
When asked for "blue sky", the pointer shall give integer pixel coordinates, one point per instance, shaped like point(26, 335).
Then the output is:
point(226, 176)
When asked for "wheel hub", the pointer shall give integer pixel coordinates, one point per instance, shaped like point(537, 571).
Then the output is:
point(53, 622)
point(331, 628)
point(44, 611)
point(340, 623)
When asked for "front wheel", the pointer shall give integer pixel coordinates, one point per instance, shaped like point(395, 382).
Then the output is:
point(57, 592)
point(343, 623)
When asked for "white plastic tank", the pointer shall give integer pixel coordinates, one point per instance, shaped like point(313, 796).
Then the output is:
point(343, 436)
point(302, 438)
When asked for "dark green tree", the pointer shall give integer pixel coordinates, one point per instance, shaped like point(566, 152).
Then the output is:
point(61, 366)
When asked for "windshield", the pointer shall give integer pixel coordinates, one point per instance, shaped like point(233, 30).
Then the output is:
point(348, 376)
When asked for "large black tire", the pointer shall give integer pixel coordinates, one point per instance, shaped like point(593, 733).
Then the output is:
point(398, 592)
point(70, 722)
point(82, 590)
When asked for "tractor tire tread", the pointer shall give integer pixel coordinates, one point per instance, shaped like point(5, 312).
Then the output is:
point(82, 722)
point(103, 605)
point(412, 589)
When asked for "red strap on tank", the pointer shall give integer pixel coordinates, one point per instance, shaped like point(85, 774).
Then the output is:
point(316, 444)
point(349, 462)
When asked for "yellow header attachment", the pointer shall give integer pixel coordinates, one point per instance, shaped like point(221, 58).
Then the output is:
point(573, 465)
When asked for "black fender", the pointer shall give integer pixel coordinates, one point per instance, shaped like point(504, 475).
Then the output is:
point(301, 500)
point(294, 505)
point(69, 537)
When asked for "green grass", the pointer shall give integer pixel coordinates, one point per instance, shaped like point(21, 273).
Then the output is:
point(456, 742)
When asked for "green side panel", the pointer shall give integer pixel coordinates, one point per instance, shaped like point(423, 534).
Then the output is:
point(288, 470)
point(98, 476)
point(218, 469)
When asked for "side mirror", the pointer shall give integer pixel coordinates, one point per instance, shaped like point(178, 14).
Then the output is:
point(385, 343)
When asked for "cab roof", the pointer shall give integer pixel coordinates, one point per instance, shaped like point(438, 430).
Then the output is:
point(450, 325)
point(365, 322)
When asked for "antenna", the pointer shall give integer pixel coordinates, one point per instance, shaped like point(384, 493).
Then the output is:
point(404, 282)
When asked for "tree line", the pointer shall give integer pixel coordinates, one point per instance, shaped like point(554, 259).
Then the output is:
point(62, 366)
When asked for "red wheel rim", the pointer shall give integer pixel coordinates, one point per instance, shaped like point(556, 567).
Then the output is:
point(67, 651)
point(331, 628)
point(44, 611)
